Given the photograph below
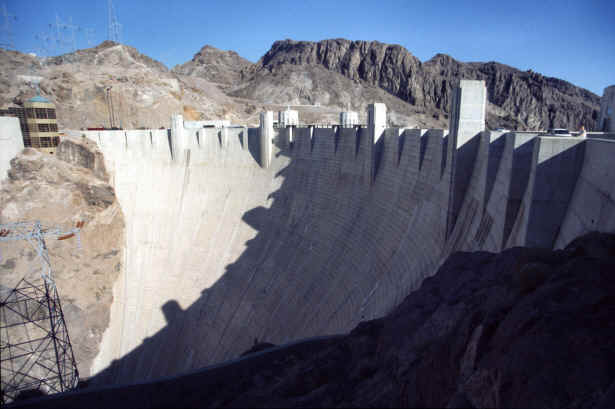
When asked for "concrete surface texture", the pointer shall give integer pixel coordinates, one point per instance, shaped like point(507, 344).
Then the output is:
point(266, 138)
point(336, 227)
point(11, 143)
point(468, 110)
point(606, 121)
point(348, 119)
point(216, 123)
point(288, 117)
point(377, 119)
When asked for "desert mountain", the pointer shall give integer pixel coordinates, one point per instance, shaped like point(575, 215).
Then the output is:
point(517, 99)
point(318, 93)
point(214, 65)
point(144, 92)
point(311, 89)
point(317, 78)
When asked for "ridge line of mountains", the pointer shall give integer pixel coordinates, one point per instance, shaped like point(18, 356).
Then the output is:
point(317, 78)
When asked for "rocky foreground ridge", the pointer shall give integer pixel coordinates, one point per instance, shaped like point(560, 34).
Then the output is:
point(523, 328)
point(61, 190)
point(319, 78)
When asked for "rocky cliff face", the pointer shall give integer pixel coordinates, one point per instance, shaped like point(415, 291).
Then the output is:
point(319, 95)
point(518, 99)
point(60, 190)
point(83, 153)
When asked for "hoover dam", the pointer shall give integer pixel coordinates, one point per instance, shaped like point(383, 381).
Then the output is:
point(236, 235)
point(240, 235)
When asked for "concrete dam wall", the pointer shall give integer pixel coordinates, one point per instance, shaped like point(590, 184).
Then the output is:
point(337, 227)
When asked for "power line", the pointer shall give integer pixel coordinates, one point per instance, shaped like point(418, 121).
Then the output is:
point(89, 36)
point(7, 40)
point(44, 44)
point(65, 33)
point(114, 26)
point(71, 28)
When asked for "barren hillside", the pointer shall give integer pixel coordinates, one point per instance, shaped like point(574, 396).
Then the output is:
point(517, 99)
point(221, 67)
point(317, 78)
point(144, 92)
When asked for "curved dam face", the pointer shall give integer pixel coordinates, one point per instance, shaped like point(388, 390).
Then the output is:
point(222, 252)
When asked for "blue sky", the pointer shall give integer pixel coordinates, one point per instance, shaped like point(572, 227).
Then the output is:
point(572, 40)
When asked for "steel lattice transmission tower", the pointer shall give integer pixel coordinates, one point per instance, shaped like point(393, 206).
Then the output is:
point(114, 26)
point(6, 37)
point(36, 355)
point(66, 33)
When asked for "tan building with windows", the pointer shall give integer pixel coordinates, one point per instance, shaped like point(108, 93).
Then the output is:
point(42, 124)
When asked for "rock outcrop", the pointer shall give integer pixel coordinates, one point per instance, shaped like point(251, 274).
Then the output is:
point(85, 153)
point(519, 99)
point(61, 191)
point(319, 95)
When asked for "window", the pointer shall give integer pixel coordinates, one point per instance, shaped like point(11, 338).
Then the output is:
point(43, 127)
point(41, 113)
point(16, 111)
point(30, 113)
point(45, 142)
point(53, 127)
point(51, 113)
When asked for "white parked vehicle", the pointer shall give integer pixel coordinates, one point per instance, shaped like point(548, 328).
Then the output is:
point(559, 132)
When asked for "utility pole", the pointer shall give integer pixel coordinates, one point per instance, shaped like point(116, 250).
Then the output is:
point(119, 113)
point(110, 107)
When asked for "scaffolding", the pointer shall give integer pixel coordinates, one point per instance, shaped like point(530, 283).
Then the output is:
point(36, 355)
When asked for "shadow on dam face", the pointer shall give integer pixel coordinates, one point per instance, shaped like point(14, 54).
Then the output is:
point(249, 301)
point(331, 249)
point(339, 242)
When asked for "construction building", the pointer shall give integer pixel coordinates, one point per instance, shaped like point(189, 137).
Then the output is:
point(42, 123)
point(39, 125)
